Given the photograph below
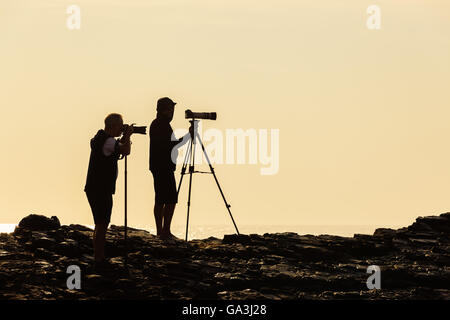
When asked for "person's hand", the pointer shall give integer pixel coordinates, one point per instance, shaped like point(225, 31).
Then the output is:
point(128, 132)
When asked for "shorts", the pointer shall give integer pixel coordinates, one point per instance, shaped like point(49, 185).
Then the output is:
point(165, 188)
point(101, 206)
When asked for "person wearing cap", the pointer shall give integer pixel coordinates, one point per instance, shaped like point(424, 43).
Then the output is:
point(162, 165)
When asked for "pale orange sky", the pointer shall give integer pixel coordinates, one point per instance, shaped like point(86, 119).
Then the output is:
point(363, 115)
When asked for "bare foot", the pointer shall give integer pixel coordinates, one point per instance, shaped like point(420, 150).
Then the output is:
point(169, 236)
point(173, 237)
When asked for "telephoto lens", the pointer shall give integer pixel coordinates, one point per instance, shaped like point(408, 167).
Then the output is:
point(200, 115)
point(139, 130)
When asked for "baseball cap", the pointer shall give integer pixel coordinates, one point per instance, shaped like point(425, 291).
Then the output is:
point(164, 103)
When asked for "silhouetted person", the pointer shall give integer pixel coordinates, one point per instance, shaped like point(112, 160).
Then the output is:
point(162, 166)
point(102, 176)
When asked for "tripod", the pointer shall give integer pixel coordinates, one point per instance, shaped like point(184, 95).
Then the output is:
point(190, 157)
point(126, 214)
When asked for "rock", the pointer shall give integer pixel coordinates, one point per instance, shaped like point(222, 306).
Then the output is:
point(445, 215)
point(44, 242)
point(68, 248)
point(420, 226)
point(414, 261)
point(424, 242)
point(247, 294)
point(235, 238)
point(79, 227)
point(363, 236)
point(313, 253)
point(39, 223)
point(95, 279)
point(41, 253)
point(441, 224)
point(384, 232)
point(125, 284)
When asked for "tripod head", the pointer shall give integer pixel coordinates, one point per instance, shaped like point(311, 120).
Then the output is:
point(194, 122)
point(193, 127)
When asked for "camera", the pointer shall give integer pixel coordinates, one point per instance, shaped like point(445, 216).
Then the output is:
point(139, 130)
point(200, 115)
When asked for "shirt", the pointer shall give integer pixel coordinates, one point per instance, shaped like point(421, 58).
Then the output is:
point(102, 171)
point(163, 156)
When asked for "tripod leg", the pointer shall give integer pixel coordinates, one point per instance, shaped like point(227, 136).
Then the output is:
point(183, 169)
point(191, 171)
point(217, 182)
point(126, 206)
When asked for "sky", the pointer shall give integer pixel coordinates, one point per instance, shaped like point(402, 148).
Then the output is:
point(362, 115)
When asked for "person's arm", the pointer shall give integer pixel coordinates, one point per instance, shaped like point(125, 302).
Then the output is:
point(125, 143)
point(125, 147)
point(109, 146)
point(182, 141)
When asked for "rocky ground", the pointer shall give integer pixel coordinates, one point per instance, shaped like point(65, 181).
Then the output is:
point(414, 263)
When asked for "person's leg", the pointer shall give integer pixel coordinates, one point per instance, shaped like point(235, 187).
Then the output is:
point(93, 239)
point(99, 241)
point(169, 208)
point(171, 197)
point(102, 208)
point(94, 236)
point(158, 211)
point(94, 202)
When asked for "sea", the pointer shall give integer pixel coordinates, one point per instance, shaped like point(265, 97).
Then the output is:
point(218, 231)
